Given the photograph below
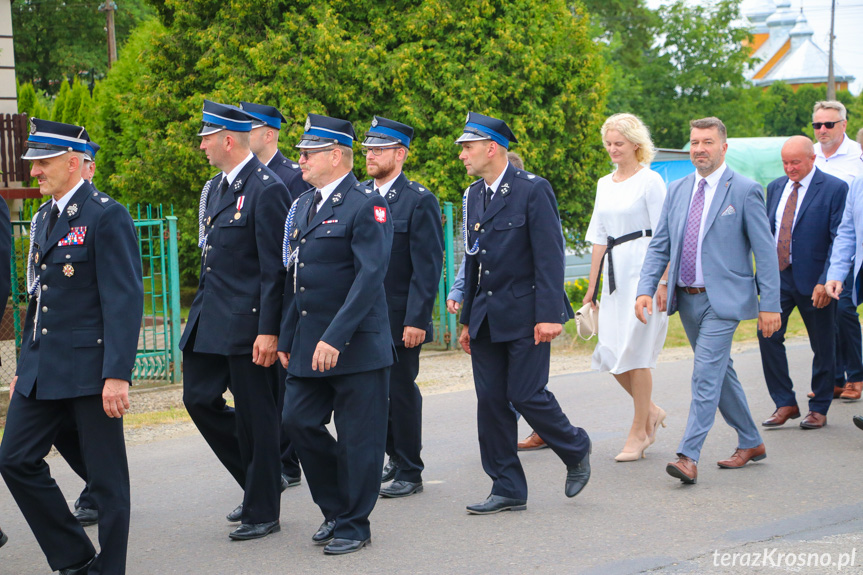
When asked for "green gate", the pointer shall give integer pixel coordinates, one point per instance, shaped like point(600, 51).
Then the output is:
point(158, 358)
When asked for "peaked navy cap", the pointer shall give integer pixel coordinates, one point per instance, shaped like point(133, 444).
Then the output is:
point(218, 117)
point(92, 148)
point(49, 139)
point(322, 131)
point(263, 115)
point(386, 132)
point(480, 127)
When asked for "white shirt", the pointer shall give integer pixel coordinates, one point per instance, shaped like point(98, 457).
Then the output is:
point(328, 190)
point(709, 191)
point(267, 163)
point(783, 200)
point(383, 189)
point(62, 202)
point(494, 185)
point(845, 163)
point(236, 171)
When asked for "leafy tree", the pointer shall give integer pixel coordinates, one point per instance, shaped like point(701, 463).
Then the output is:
point(55, 39)
point(426, 63)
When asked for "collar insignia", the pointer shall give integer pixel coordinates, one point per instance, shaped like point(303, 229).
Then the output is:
point(72, 210)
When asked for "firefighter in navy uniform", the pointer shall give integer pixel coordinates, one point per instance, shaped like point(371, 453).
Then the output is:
point(231, 337)
point(416, 262)
point(77, 355)
point(264, 140)
point(335, 339)
point(514, 306)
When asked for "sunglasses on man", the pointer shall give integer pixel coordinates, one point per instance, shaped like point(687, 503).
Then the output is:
point(828, 125)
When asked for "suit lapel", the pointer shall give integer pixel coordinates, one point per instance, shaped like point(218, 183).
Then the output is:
point(67, 217)
point(773, 205)
point(814, 190)
point(719, 197)
point(236, 189)
point(686, 198)
point(499, 200)
point(396, 189)
point(336, 198)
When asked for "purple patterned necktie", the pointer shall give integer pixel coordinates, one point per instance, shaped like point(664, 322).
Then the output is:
point(690, 236)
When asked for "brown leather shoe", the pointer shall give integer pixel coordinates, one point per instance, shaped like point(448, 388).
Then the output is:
point(531, 442)
point(683, 469)
point(852, 390)
point(814, 420)
point(837, 393)
point(742, 456)
point(781, 415)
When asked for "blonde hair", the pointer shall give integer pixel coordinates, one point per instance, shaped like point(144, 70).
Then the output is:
point(831, 105)
point(634, 130)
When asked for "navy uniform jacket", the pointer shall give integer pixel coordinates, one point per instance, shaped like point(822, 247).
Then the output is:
point(339, 282)
point(290, 174)
point(416, 260)
point(240, 288)
point(520, 258)
point(92, 299)
point(815, 226)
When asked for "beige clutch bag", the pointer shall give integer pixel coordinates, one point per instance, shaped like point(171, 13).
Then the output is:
point(587, 321)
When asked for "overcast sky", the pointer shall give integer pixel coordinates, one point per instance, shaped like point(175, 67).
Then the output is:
point(848, 30)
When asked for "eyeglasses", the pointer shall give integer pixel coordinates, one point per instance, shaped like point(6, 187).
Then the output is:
point(828, 125)
point(306, 153)
point(377, 151)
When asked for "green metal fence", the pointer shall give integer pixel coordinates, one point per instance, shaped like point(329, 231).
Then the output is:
point(446, 323)
point(158, 356)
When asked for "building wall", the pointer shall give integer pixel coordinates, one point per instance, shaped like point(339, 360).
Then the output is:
point(8, 101)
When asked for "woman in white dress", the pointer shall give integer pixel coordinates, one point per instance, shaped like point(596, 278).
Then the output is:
point(626, 211)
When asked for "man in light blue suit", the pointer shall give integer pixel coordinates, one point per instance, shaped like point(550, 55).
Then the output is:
point(711, 225)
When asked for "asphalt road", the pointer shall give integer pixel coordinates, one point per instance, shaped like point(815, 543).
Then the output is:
point(806, 497)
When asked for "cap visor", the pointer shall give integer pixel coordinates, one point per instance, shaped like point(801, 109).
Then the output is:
point(41, 154)
point(375, 142)
point(467, 137)
point(207, 130)
point(315, 144)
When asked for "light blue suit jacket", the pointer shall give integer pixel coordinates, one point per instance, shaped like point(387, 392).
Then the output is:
point(848, 244)
point(736, 228)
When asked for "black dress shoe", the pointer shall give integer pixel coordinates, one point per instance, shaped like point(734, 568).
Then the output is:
point(401, 489)
point(86, 516)
point(82, 570)
point(496, 504)
point(236, 514)
point(389, 471)
point(324, 534)
point(342, 546)
point(254, 530)
point(578, 476)
point(858, 421)
point(3, 538)
point(288, 481)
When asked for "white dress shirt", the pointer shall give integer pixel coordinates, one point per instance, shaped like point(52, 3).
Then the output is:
point(384, 188)
point(709, 191)
point(495, 184)
point(328, 190)
point(236, 171)
point(845, 163)
point(62, 202)
point(783, 200)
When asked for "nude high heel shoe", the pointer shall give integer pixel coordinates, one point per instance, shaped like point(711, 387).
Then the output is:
point(660, 420)
point(633, 455)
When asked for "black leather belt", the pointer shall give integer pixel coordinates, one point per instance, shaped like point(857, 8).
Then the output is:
point(608, 249)
point(692, 290)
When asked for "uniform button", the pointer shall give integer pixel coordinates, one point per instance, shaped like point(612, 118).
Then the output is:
point(208, 269)
point(44, 331)
point(254, 310)
point(482, 230)
point(68, 256)
point(304, 313)
point(302, 289)
point(483, 252)
point(99, 341)
point(44, 288)
point(347, 343)
point(329, 232)
point(302, 265)
point(488, 293)
point(302, 241)
point(44, 267)
point(44, 309)
point(485, 272)
point(209, 248)
point(509, 224)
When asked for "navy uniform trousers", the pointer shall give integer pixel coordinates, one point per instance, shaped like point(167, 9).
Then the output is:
point(242, 437)
point(849, 340)
point(820, 324)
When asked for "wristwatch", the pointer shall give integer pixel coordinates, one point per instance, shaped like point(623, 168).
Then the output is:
point(663, 282)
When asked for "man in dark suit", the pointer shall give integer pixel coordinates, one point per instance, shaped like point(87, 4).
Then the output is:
point(76, 360)
point(231, 337)
point(804, 208)
point(335, 340)
point(416, 262)
point(712, 223)
point(263, 140)
point(514, 305)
